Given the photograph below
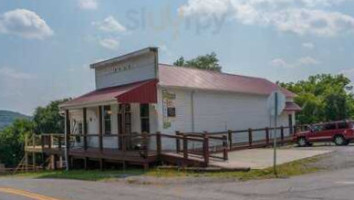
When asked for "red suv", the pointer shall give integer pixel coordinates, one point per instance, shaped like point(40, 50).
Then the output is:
point(340, 132)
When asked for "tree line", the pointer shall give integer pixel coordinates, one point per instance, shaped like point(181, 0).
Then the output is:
point(45, 120)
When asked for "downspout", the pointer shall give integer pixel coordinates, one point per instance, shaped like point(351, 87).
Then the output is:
point(192, 110)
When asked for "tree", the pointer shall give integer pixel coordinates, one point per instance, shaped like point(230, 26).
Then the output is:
point(48, 120)
point(322, 97)
point(12, 141)
point(207, 62)
point(45, 120)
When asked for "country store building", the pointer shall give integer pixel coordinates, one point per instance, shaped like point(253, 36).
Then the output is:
point(135, 95)
point(158, 97)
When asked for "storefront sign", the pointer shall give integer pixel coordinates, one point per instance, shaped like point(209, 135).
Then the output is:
point(169, 108)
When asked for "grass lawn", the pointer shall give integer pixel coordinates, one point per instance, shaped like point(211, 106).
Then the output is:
point(285, 170)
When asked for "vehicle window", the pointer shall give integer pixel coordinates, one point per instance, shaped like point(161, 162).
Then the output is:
point(317, 128)
point(330, 126)
point(343, 125)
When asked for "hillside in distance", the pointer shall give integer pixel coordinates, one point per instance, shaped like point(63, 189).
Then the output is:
point(7, 117)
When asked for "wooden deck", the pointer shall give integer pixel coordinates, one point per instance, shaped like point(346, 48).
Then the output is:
point(114, 155)
point(210, 145)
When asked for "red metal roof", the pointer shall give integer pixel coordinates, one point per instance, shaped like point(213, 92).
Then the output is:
point(171, 76)
point(291, 106)
point(139, 92)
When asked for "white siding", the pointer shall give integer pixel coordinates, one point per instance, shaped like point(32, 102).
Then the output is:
point(218, 111)
point(130, 71)
point(182, 121)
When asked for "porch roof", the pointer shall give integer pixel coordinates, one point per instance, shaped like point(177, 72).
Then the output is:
point(291, 106)
point(139, 92)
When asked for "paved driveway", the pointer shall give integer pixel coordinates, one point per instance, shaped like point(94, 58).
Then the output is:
point(263, 158)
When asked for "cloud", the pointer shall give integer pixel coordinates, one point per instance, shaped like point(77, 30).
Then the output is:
point(302, 17)
point(88, 4)
point(109, 43)
point(279, 62)
point(315, 22)
point(6, 72)
point(110, 24)
point(308, 45)
point(308, 61)
point(205, 7)
point(304, 61)
point(24, 23)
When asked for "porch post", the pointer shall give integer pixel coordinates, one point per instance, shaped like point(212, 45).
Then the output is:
point(124, 136)
point(67, 138)
point(85, 127)
point(100, 128)
point(118, 132)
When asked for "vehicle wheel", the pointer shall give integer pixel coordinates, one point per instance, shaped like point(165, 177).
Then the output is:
point(302, 142)
point(339, 140)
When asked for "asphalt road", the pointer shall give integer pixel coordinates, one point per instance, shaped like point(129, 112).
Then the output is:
point(336, 184)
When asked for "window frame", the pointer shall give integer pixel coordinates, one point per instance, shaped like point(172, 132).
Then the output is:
point(107, 118)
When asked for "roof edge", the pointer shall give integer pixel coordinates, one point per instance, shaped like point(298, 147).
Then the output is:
point(124, 57)
point(214, 90)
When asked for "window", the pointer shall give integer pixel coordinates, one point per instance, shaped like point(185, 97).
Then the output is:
point(107, 112)
point(329, 126)
point(144, 116)
point(171, 112)
point(317, 128)
point(343, 125)
point(80, 128)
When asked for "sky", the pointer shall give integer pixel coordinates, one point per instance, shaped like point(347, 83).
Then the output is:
point(46, 46)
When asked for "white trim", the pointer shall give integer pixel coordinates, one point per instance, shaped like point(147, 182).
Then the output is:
point(91, 104)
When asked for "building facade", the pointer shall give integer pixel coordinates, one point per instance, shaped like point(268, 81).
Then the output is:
point(135, 94)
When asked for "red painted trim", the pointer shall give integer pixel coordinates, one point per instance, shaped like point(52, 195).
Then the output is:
point(145, 93)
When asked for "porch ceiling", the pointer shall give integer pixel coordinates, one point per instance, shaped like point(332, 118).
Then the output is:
point(139, 92)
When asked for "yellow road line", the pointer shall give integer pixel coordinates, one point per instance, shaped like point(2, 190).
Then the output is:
point(26, 194)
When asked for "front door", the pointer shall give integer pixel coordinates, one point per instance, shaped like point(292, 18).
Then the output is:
point(124, 126)
point(290, 118)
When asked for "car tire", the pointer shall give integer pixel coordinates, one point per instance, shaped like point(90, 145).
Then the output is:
point(302, 142)
point(339, 140)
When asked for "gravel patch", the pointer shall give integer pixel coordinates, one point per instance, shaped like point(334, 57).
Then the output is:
point(341, 158)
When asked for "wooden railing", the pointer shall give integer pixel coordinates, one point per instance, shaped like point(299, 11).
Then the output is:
point(138, 142)
point(250, 140)
point(204, 145)
point(182, 146)
point(124, 142)
point(53, 141)
point(33, 140)
point(207, 145)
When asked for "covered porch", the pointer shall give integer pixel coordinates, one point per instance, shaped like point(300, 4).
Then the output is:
point(113, 123)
